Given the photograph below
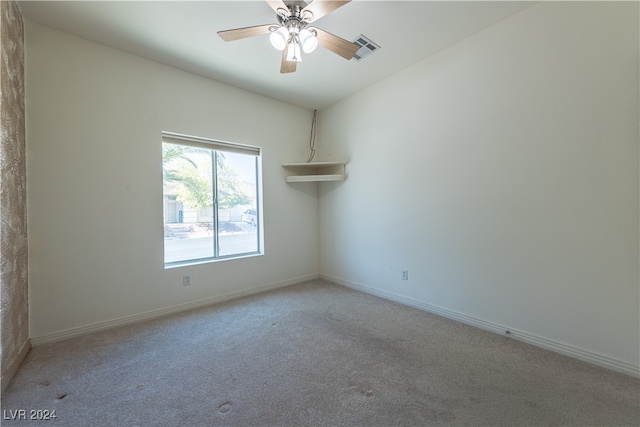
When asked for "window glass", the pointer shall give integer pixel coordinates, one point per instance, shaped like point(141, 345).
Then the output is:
point(237, 214)
point(210, 201)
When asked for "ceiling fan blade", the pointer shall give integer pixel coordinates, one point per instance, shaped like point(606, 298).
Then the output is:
point(242, 33)
point(279, 7)
point(336, 44)
point(320, 8)
point(287, 66)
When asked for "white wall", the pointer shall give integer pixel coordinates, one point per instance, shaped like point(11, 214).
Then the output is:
point(503, 174)
point(94, 117)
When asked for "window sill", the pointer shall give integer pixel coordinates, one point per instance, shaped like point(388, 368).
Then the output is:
point(210, 260)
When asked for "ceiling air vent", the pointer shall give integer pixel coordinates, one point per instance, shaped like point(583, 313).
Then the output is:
point(367, 47)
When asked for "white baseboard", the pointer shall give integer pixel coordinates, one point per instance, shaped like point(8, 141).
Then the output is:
point(15, 364)
point(538, 341)
point(126, 320)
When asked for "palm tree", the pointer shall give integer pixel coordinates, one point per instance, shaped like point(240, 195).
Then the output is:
point(189, 170)
point(172, 153)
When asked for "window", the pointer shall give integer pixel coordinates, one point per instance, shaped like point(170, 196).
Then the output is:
point(211, 199)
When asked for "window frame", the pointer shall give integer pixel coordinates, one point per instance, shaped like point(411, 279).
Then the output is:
point(218, 146)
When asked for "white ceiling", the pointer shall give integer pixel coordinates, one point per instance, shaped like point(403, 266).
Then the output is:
point(183, 34)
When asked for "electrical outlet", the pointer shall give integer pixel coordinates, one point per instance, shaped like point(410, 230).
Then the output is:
point(405, 274)
point(186, 280)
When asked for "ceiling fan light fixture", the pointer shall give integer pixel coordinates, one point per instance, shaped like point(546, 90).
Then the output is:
point(290, 34)
point(279, 38)
point(308, 41)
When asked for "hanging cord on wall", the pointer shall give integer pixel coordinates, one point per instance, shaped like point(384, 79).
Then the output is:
point(312, 141)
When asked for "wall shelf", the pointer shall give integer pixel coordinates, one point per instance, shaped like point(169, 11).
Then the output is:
point(315, 171)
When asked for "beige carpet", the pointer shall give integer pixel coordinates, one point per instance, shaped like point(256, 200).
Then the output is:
point(314, 354)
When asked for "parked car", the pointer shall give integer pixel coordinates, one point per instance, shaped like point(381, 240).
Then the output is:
point(250, 216)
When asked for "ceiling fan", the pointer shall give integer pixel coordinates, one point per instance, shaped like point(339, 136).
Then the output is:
point(292, 33)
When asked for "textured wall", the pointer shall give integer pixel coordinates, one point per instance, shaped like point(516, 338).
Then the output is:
point(13, 209)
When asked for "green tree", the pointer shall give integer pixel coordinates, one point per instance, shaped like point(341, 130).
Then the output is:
point(230, 192)
point(172, 154)
point(189, 170)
